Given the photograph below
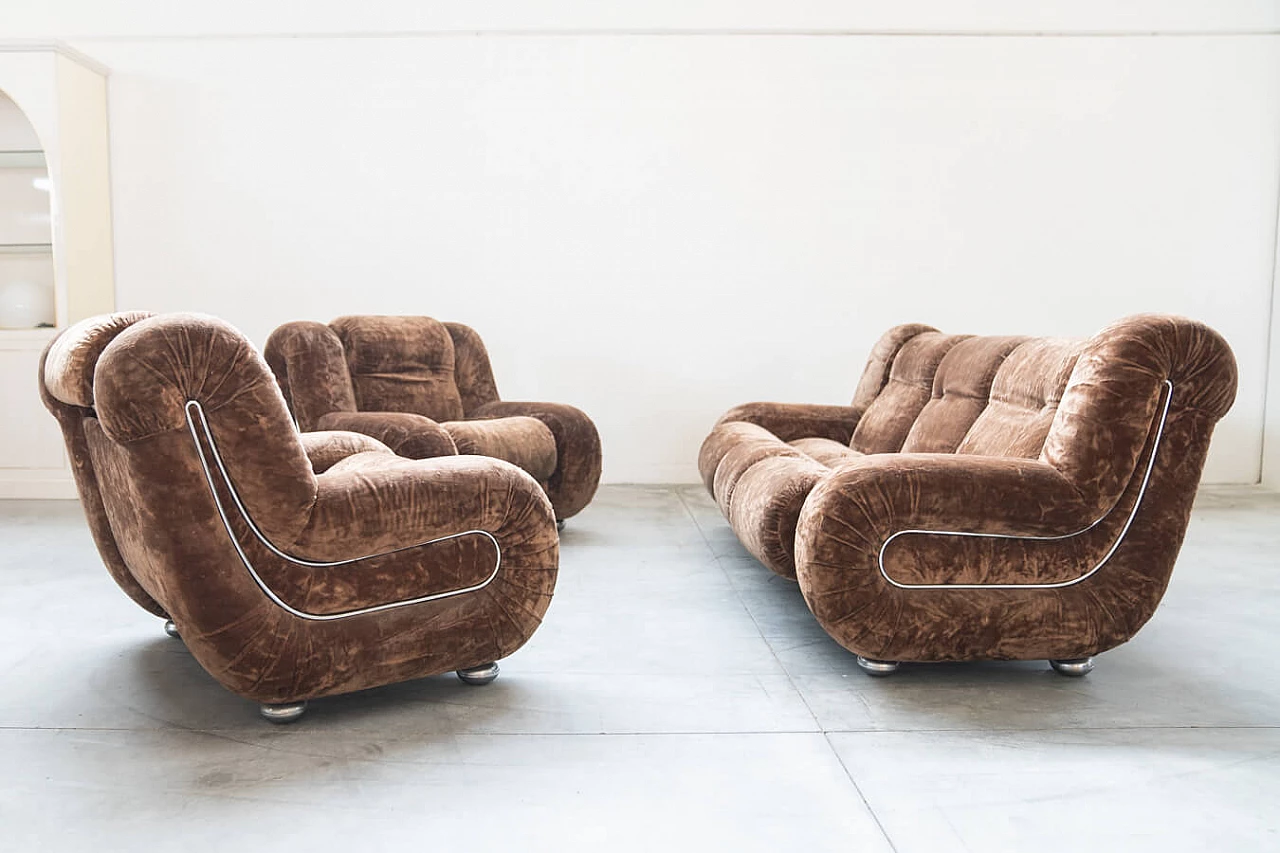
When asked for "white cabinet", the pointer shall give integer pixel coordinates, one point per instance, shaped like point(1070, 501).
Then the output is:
point(56, 264)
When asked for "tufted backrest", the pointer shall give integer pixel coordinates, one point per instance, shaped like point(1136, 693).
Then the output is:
point(1087, 407)
point(961, 389)
point(416, 365)
point(888, 419)
point(875, 374)
point(401, 364)
point(1024, 399)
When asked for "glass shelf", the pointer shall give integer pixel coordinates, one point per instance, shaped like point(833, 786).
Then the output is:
point(28, 296)
point(22, 160)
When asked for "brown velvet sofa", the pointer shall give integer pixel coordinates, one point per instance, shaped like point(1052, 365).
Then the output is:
point(425, 388)
point(293, 566)
point(983, 497)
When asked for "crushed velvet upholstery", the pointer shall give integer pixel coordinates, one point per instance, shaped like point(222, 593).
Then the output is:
point(522, 441)
point(400, 364)
point(888, 419)
point(1070, 464)
point(425, 388)
point(328, 448)
point(69, 360)
point(414, 436)
point(293, 566)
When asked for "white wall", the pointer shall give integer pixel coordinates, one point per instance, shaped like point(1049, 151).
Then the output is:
point(129, 18)
point(657, 226)
point(1271, 431)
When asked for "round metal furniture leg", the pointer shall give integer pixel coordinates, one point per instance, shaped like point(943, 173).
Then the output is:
point(479, 675)
point(1075, 667)
point(559, 524)
point(171, 629)
point(878, 668)
point(280, 714)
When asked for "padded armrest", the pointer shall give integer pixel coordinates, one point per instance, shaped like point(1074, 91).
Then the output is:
point(938, 596)
point(789, 421)
point(767, 427)
point(461, 550)
point(379, 507)
point(578, 454)
point(411, 436)
point(890, 492)
point(902, 520)
point(327, 447)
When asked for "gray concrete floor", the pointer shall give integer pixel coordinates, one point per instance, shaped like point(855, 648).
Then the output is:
point(678, 697)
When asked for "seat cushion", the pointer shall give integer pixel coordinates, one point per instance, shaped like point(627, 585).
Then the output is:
point(525, 442)
point(401, 364)
point(326, 448)
point(365, 460)
point(825, 451)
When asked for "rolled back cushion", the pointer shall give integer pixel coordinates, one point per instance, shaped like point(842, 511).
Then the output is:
point(875, 374)
point(401, 364)
point(884, 425)
point(311, 367)
point(471, 369)
point(1024, 399)
point(73, 356)
point(961, 388)
point(168, 377)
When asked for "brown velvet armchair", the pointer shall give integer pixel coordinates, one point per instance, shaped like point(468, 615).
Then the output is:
point(983, 497)
point(293, 567)
point(426, 388)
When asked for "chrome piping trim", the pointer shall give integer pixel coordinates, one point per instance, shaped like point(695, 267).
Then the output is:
point(193, 405)
point(1142, 490)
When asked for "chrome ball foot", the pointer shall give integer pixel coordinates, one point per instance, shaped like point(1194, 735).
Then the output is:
point(559, 524)
point(878, 668)
point(479, 675)
point(289, 712)
point(171, 629)
point(1075, 667)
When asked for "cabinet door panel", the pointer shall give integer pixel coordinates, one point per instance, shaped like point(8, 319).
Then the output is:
point(24, 215)
point(29, 436)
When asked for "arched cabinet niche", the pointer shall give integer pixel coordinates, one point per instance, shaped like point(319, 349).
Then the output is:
point(27, 298)
point(56, 262)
